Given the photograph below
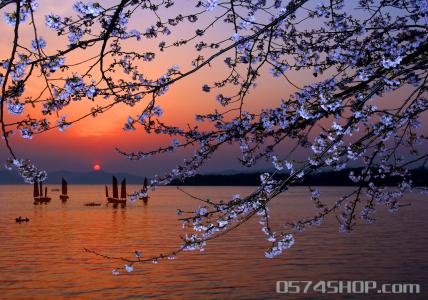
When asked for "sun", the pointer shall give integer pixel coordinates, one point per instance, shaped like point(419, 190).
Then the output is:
point(97, 167)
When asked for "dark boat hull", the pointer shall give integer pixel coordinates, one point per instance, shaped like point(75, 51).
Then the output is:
point(19, 220)
point(92, 204)
point(42, 200)
point(63, 197)
point(116, 200)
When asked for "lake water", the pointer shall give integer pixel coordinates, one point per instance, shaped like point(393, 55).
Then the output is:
point(44, 258)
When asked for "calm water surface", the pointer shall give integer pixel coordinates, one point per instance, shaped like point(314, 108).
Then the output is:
point(44, 258)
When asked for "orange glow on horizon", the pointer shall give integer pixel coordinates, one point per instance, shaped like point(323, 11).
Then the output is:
point(102, 135)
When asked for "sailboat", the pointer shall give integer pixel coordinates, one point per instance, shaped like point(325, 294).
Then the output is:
point(38, 193)
point(115, 197)
point(144, 192)
point(63, 196)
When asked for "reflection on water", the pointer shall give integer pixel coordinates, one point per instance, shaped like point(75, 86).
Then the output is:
point(44, 258)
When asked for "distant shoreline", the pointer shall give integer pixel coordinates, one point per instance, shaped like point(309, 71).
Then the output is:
point(329, 178)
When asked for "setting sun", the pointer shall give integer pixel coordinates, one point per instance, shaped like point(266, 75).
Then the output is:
point(97, 167)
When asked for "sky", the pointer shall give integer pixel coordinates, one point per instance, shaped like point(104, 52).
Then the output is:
point(93, 140)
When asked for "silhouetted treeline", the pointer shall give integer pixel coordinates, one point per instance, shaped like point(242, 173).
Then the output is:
point(340, 178)
point(334, 178)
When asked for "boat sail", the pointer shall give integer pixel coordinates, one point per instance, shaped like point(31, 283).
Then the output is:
point(64, 196)
point(115, 197)
point(144, 192)
point(123, 189)
point(36, 190)
point(115, 190)
point(38, 193)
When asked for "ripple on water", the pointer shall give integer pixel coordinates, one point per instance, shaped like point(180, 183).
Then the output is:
point(44, 258)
